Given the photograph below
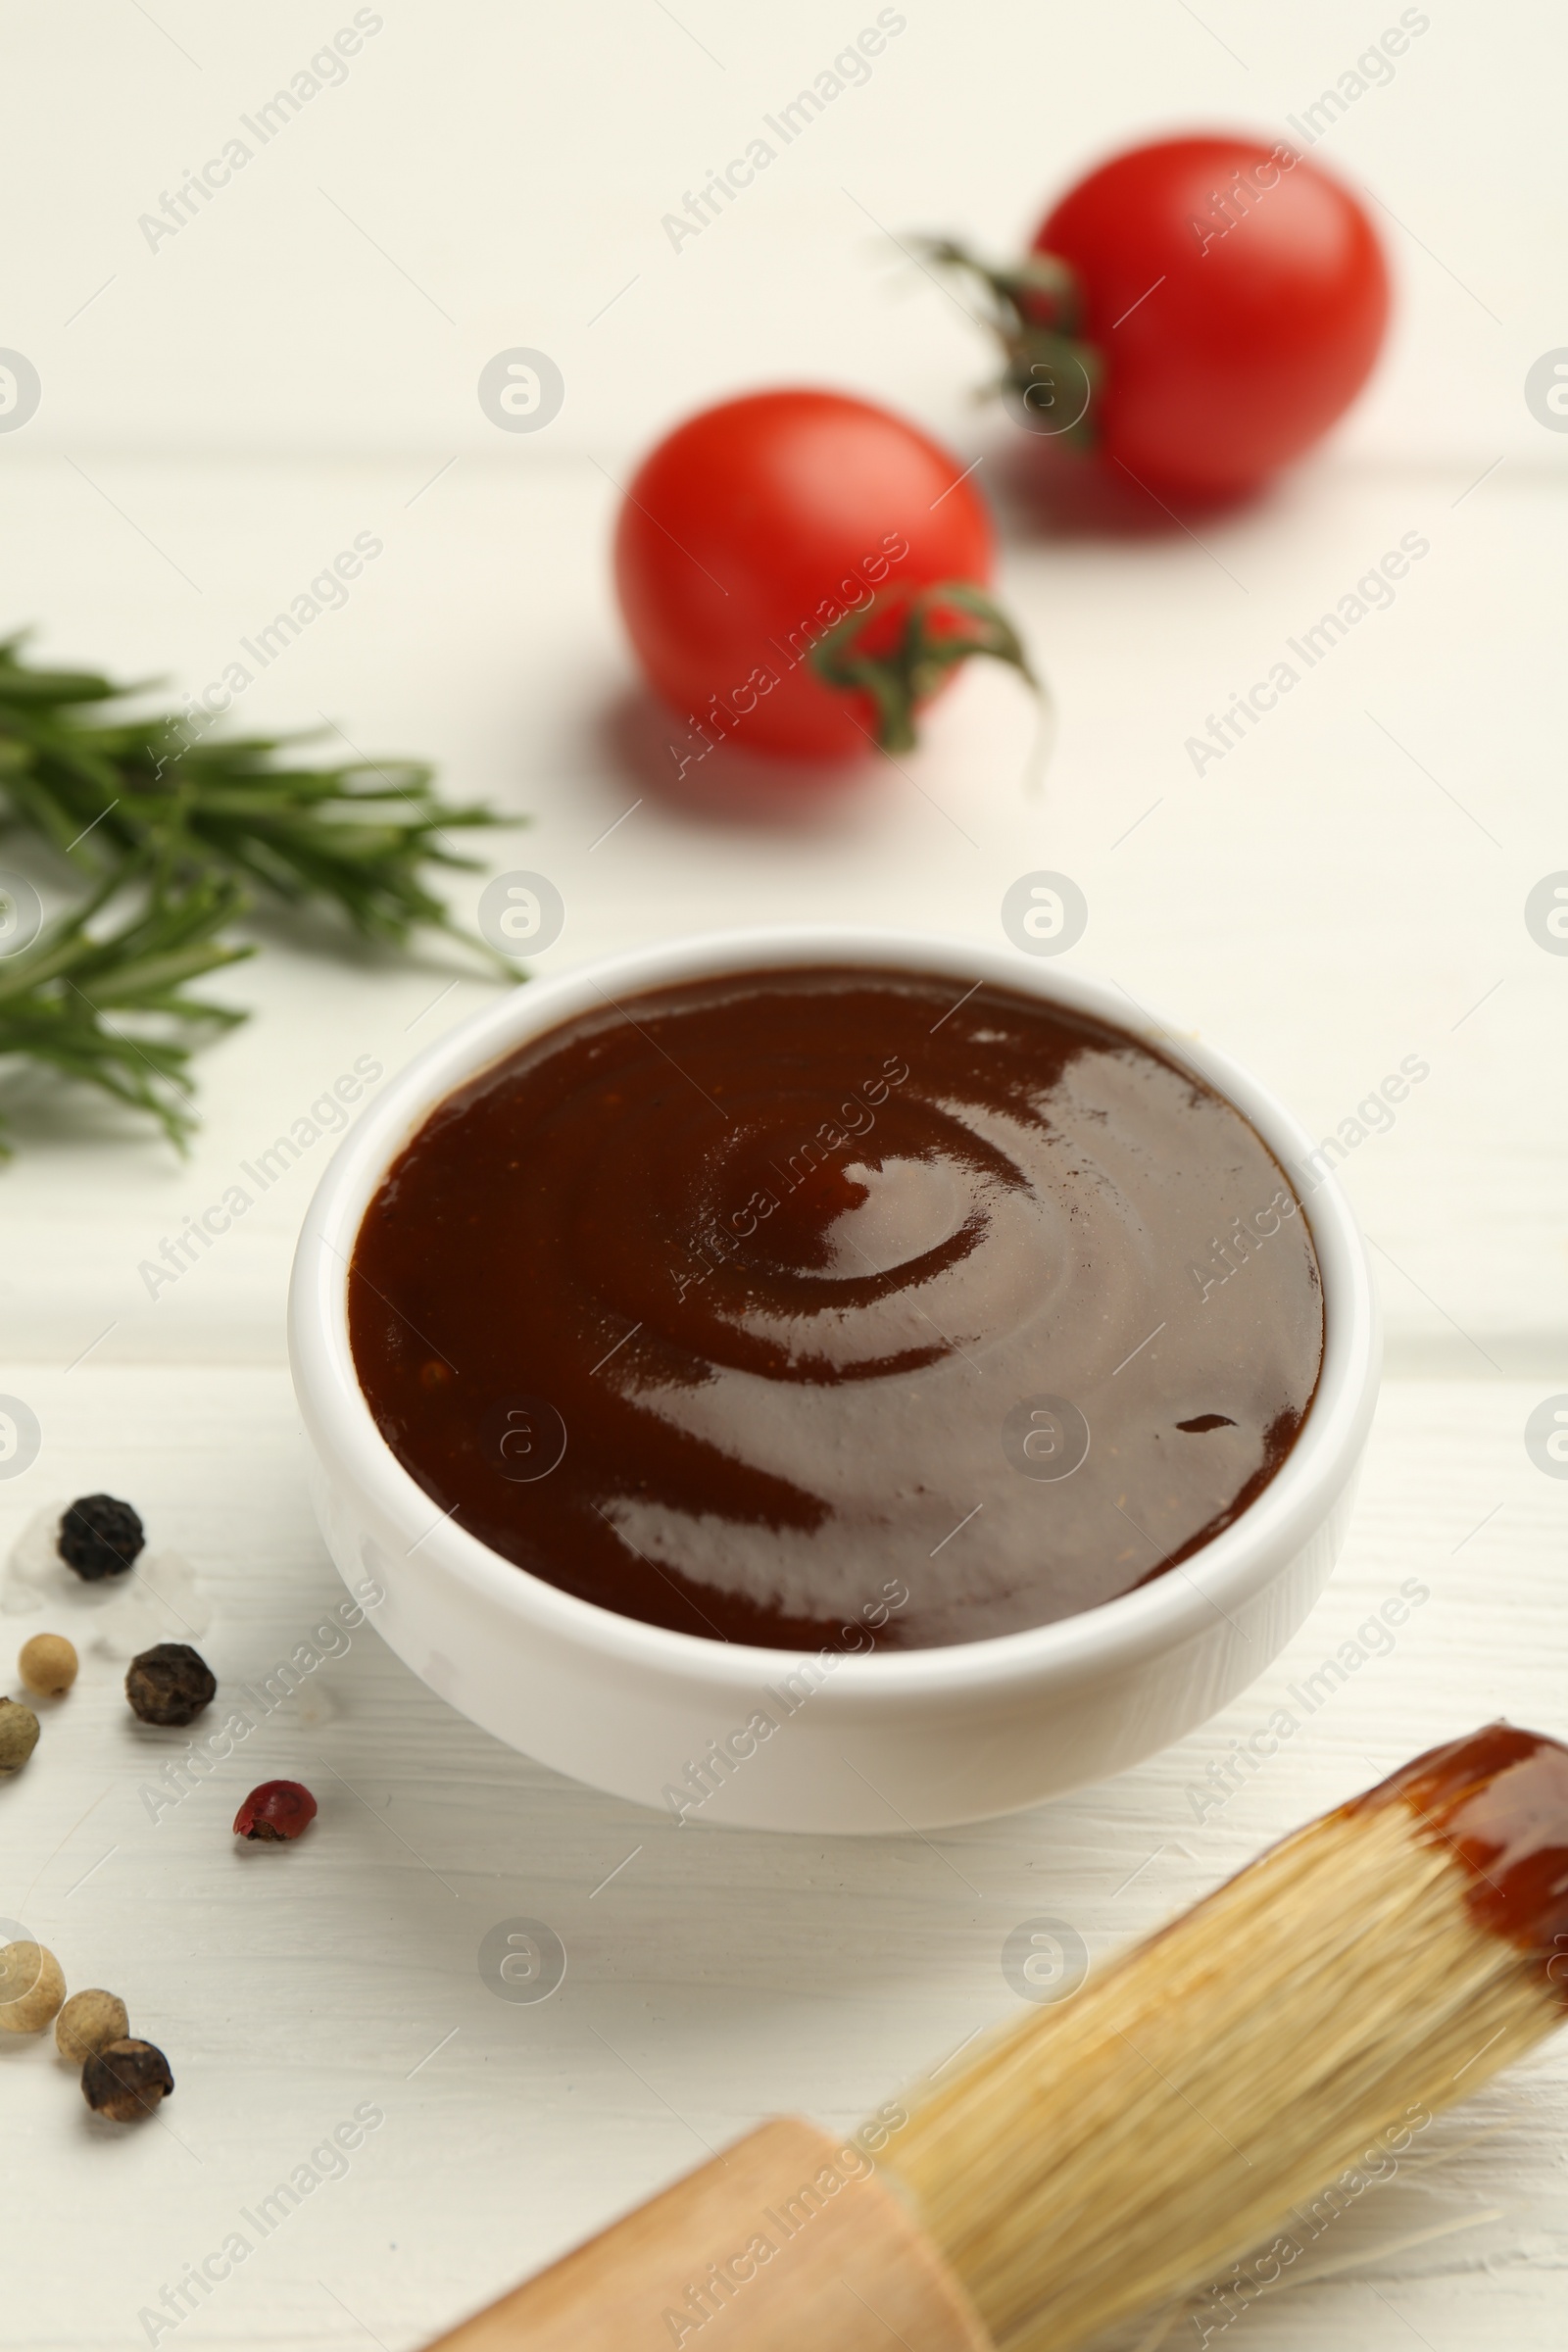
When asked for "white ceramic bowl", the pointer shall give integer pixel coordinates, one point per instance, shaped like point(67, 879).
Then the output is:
point(875, 1742)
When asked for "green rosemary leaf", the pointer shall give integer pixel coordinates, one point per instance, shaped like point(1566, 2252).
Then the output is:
point(58, 996)
point(355, 834)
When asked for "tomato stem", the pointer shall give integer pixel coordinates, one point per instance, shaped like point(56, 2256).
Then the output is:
point(1052, 373)
point(928, 646)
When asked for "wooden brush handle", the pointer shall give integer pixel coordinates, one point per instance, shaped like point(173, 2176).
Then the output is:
point(755, 2252)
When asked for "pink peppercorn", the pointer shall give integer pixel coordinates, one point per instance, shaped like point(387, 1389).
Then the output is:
point(276, 1810)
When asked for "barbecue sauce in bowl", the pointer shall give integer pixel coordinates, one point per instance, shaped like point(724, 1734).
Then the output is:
point(834, 1307)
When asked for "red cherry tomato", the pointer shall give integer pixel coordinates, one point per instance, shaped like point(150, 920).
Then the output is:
point(1237, 296)
point(752, 537)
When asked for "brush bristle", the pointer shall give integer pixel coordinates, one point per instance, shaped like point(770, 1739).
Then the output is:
point(1115, 2151)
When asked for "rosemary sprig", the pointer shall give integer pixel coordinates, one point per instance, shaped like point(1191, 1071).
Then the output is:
point(193, 822)
point(62, 999)
point(355, 834)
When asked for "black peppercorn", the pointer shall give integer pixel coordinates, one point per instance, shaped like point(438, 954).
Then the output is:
point(126, 2080)
point(100, 1536)
point(170, 1684)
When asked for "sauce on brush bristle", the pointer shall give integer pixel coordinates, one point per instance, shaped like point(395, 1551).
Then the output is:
point(1498, 1801)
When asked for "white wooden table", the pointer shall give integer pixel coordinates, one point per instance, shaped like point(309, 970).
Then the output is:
point(1324, 910)
point(1343, 891)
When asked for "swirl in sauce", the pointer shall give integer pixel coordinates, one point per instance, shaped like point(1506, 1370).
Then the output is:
point(790, 1293)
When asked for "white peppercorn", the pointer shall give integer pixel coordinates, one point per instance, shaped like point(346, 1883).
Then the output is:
point(47, 1664)
point(32, 1986)
point(19, 1734)
point(87, 2020)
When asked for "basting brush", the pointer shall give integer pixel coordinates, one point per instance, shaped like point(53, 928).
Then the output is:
point(1208, 2097)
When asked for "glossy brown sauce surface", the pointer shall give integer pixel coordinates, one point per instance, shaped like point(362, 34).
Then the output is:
point(837, 1308)
point(1498, 1802)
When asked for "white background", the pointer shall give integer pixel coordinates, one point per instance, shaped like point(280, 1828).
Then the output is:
point(223, 414)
